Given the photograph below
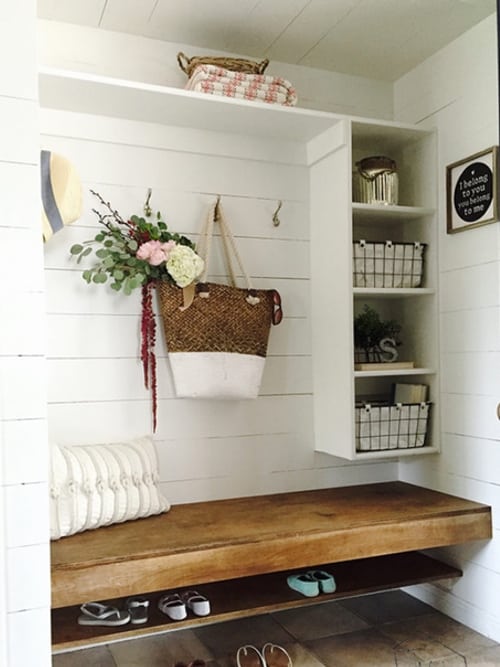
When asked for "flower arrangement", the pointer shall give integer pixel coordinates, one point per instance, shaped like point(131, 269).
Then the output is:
point(135, 253)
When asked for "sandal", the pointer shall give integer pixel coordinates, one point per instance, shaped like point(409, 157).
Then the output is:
point(95, 613)
point(199, 604)
point(173, 607)
point(138, 609)
point(276, 656)
point(249, 656)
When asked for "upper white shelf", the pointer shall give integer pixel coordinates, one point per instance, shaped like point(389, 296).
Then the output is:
point(119, 98)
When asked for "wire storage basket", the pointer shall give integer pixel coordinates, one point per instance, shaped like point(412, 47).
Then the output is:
point(387, 426)
point(387, 264)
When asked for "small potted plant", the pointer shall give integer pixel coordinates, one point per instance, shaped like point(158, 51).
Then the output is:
point(375, 340)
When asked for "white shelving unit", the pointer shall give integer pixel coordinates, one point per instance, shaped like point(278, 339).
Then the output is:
point(328, 145)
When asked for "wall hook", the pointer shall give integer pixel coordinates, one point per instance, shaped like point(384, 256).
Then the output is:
point(276, 220)
point(216, 209)
point(147, 208)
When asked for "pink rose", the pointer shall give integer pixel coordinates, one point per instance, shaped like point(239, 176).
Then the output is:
point(155, 252)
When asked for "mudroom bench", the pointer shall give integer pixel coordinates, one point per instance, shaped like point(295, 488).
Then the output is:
point(239, 552)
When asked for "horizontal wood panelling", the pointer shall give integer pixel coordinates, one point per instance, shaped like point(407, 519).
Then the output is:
point(83, 380)
point(150, 167)
point(95, 378)
point(114, 335)
point(263, 258)
point(60, 125)
point(109, 420)
point(67, 293)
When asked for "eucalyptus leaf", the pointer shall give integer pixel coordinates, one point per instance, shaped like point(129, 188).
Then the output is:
point(76, 249)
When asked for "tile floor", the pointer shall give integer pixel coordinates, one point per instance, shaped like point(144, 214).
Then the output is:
point(382, 630)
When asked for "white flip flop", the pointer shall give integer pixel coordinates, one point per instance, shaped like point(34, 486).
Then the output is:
point(95, 613)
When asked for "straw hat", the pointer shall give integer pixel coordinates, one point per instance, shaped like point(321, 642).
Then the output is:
point(61, 193)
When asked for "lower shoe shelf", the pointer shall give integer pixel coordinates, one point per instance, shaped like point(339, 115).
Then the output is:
point(250, 596)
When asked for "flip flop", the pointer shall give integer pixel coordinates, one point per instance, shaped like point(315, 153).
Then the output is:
point(249, 656)
point(138, 609)
point(95, 613)
point(276, 656)
point(199, 604)
point(173, 606)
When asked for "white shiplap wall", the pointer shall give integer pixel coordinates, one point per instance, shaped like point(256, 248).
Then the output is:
point(24, 598)
point(456, 91)
point(207, 449)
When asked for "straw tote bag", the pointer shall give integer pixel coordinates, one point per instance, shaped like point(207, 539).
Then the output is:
point(217, 334)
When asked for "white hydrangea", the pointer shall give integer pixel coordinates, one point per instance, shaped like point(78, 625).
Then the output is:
point(184, 265)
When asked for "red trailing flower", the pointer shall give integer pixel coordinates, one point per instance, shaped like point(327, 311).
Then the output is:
point(148, 340)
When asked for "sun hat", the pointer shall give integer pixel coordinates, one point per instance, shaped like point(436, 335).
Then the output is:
point(61, 193)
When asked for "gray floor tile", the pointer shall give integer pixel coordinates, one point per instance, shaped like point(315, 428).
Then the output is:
point(319, 620)
point(90, 657)
point(454, 635)
point(224, 639)
point(384, 607)
point(160, 650)
point(367, 648)
point(489, 657)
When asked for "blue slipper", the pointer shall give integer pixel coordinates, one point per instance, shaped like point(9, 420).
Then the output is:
point(304, 584)
point(325, 580)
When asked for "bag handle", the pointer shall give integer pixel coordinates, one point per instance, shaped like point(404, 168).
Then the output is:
point(216, 214)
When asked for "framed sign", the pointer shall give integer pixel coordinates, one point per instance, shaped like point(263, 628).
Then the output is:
point(472, 191)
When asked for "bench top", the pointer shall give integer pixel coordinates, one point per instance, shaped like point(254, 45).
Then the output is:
point(217, 540)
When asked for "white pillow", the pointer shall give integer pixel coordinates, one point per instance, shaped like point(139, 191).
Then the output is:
point(97, 485)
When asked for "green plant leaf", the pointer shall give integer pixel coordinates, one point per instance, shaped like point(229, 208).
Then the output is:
point(102, 252)
point(76, 249)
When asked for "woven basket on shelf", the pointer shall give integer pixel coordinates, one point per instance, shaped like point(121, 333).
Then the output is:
point(188, 65)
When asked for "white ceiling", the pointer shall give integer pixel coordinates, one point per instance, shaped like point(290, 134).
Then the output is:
point(380, 39)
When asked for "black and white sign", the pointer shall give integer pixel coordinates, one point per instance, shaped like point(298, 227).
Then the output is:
point(471, 187)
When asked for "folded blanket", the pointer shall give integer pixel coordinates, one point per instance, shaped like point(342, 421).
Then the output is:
point(261, 87)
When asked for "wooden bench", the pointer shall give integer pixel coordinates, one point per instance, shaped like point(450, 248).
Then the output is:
point(239, 551)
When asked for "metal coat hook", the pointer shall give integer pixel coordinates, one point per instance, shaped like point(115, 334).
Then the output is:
point(276, 220)
point(216, 209)
point(147, 208)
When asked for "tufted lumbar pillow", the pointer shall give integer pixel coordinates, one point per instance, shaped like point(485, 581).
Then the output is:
point(97, 485)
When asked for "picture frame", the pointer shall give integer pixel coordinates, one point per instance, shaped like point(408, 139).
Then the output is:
point(472, 191)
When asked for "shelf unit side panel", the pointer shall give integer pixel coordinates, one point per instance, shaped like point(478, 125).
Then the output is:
point(331, 304)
